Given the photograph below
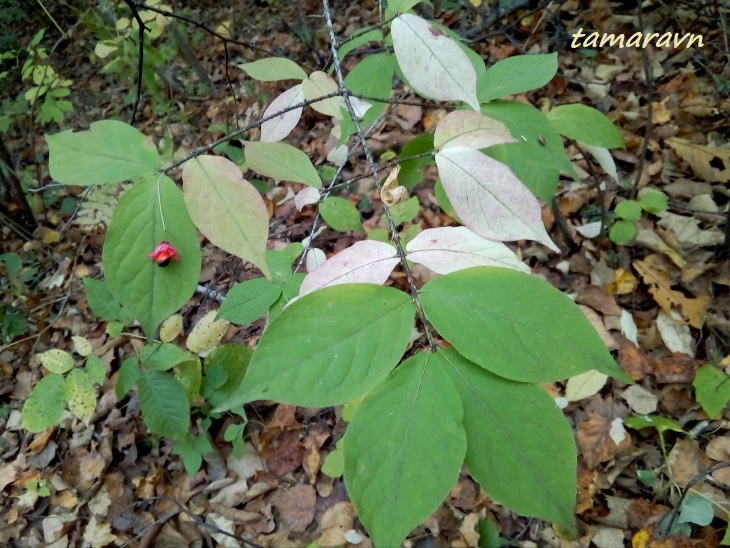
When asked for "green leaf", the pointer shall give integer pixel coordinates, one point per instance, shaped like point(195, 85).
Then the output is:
point(404, 449)
point(282, 162)
point(127, 377)
point(586, 124)
point(662, 424)
point(329, 347)
point(291, 287)
point(443, 200)
point(371, 77)
point(57, 361)
point(334, 462)
point(712, 389)
point(227, 209)
point(248, 301)
point(162, 357)
point(379, 234)
point(271, 69)
point(373, 35)
point(696, 509)
point(225, 367)
point(280, 266)
point(44, 406)
point(520, 448)
point(629, 210)
point(654, 202)
point(516, 75)
point(515, 325)
point(96, 369)
point(404, 212)
point(80, 395)
point(150, 212)
point(340, 214)
point(101, 300)
point(411, 171)
point(109, 152)
point(536, 164)
point(165, 406)
point(114, 329)
point(622, 232)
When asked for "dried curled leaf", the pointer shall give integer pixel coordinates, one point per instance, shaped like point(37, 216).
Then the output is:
point(391, 193)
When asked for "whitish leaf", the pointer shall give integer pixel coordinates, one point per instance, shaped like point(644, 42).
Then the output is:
point(171, 328)
point(272, 69)
point(675, 334)
point(469, 129)
point(590, 230)
point(227, 209)
point(488, 198)
point(279, 127)
point(367, 261)
point(56, 360)
point(109, 152)
point(449, 249)
point(82, 346)
point(165, 407)
point(603, 157)
point(433, 63)
point(150, 212)
point(315, 259)
point(306, 196)
point(359, 107)
point(207, 333)
point(338, 155)
point(80, 395)
point(320, 84)
point(282, 162)
point(329, 347)
point(584, 385)
point(404, 449)
point(45, 404)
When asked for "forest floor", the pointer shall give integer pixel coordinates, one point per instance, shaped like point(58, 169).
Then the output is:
point(661, 304)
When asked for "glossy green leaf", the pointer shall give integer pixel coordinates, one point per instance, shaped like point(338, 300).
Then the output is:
point(662, 424)
point(340, 214)
point(80, 395)
point(248, 301)
point(329, 347)
point(515, 325)
point(109, 152)
point(586, 124)
point(538, 155)
point(404, 449)
point(516, 75)
point(150, 212)
point(712, 389)
point(127, 377)
point(162, 357)
point(165, 407)
point(271, 69)
point(227, 209)
point(282, 162)
point(45, 404)
point(520, 448)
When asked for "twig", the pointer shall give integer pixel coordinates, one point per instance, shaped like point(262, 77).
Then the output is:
point(649, 110)
point(140, 59)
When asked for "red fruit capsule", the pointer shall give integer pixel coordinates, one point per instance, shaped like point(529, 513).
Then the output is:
point(163, 253)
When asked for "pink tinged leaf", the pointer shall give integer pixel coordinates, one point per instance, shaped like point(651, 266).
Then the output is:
point(433, 63)
point(359, 106)
point(489, 199)
point(448, 249)
point(338, 155)
point(226, 208)
point(363, 262)
point(470, 129)
point(306, 196)
point(281, 126)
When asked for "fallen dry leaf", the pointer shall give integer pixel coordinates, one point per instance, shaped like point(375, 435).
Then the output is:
point(594, 439)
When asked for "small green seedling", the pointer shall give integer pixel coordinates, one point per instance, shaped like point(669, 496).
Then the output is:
point(629, 213)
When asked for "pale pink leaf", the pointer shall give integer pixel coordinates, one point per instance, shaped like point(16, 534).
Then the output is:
point(359, 107)
point(433, 62)
point(306, 196)
point(470, 129)
point(453, 248)
point(368, 261)
point(279, 127)
point(488, 198)
point(315, 259)
point(226, 208)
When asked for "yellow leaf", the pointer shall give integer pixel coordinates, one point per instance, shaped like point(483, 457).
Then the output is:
point(82, 346)
point(171, 327)
point(706, 161)
point(206, 333)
